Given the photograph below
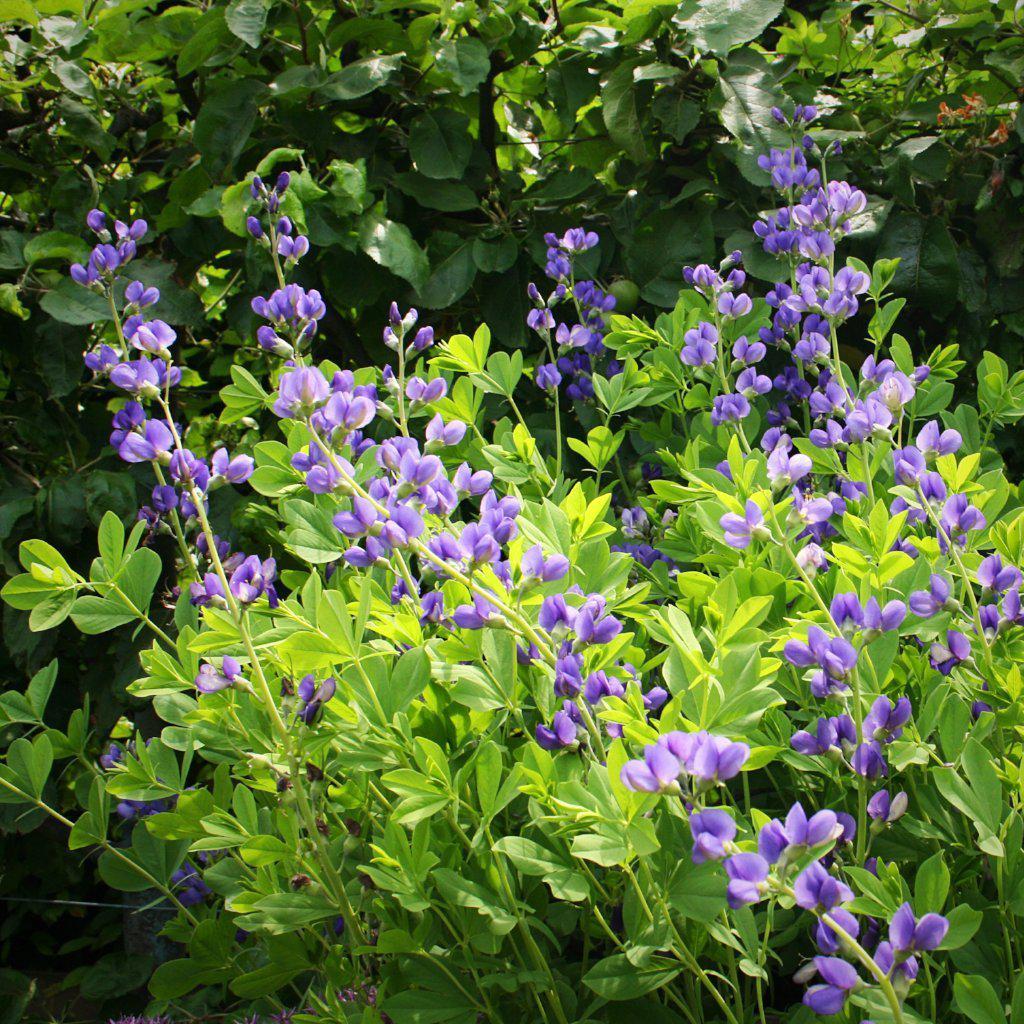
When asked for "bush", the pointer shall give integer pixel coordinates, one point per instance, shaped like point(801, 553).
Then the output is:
point(692, 694)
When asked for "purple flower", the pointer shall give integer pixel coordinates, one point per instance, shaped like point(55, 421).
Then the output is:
point(868, 760)
point(934, 442)
point(253, 578)
point(564, 730)
point(958, 519)
point(798, 831)
point(535, 566)
point(908, 465)
point(734, 306)
point(421, 392)
point(149, 336)
point(729, 409)
point(234, 470)
point(747, 873)
point(97, 221)
point(827, 938)
point(659, 770)
point(741, 530)
point(445, 434)
point(144, 377)
point(815, 889)
point(300, 391)
point(945, 657)
point(839, 980)
point(101, 359)
point(716, 759)
point(936, 598)
point(592, 625)
point(885, 809)
point(700, 345)
point(785, 469)
point(885, 720)
point(547, 376)
point(836, 656)
point(212, 680)
point(821, 741)
point(908, 935)
point(884, 618)
point(208, 591)
point(995, 576)
point(747, 353)
point(312, 697)
point(475, 615)
point(153, 442)
point(711, 830)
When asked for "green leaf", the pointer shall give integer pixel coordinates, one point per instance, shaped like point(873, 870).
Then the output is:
point(450, 279)
point(696, 891)
point(976, 999)
point(31, 761)
point(745, 96)
point(931, 886)
point(449, 196)
point(70, 303)
point(621, 109)
point(466, 61)
point(722, 25)
point(360, 78)
point(10, 301)
point(616, 977)
point(964, 922)
point(392, 246)
point(247, 19)
point(929, 271)
point(440, 144)
point(55, 245)
point(408, 680)
point(224, 123)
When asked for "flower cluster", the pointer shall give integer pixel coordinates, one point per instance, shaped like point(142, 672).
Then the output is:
point(572, 348)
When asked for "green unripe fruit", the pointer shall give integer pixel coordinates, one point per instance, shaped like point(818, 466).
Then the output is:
point(626, 294)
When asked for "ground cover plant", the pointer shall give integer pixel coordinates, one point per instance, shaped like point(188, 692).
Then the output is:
point(431, 148)
point(700, 703)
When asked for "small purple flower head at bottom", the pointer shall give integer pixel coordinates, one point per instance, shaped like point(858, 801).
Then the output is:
point(829, 941)
point(839, 980)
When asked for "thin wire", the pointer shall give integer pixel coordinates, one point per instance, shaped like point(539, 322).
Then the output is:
point(87, 903)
